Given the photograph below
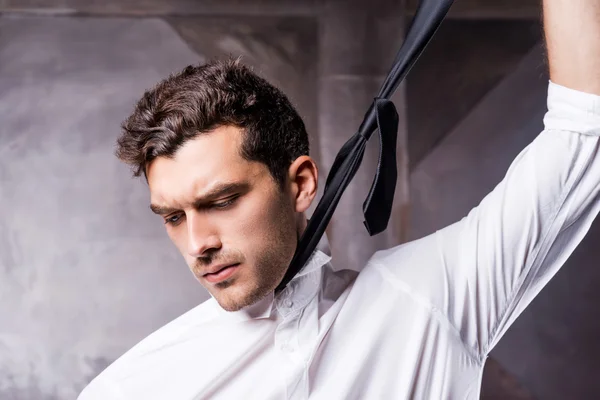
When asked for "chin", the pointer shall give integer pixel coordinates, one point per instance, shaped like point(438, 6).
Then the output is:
point(231, 305)
point(238, 298)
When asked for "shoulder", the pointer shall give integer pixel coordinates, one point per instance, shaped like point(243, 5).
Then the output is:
point(404, 258)
point(414, 268)
point(163, 337)
point(199, 315)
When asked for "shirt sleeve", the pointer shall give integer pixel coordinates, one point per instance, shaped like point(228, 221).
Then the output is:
point(481, 272)
point(498, 258)
point(100, 390)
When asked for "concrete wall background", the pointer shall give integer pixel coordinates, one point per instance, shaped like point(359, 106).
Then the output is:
point(468, 58)
point(77, 283)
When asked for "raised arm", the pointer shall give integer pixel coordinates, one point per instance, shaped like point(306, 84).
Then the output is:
point(481, 272)
point(572, 30)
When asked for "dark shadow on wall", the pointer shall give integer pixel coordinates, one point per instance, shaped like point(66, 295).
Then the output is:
point(499, 384)
point(463, 62)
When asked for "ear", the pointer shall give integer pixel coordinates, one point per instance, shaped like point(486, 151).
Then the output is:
point(304, 177)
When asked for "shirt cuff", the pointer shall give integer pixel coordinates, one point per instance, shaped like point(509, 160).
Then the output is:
point(572, 110)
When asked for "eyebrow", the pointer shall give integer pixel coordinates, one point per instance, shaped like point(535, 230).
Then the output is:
point(218, 190)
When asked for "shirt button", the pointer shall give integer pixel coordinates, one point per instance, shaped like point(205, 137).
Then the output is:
point(287, 348)
point(288, 303)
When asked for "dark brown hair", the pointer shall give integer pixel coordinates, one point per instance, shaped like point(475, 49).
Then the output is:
point(201, 98)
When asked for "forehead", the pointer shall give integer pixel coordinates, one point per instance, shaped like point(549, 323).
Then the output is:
point(209, 159)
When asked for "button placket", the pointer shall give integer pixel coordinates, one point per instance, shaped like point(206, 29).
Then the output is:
point(287, 348)
point(292, 339)
point(286, 301)
point(287, 331)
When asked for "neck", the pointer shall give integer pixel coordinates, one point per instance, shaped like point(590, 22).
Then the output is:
point(301, 223)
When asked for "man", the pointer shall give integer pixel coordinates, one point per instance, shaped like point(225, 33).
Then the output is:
point(226, 159)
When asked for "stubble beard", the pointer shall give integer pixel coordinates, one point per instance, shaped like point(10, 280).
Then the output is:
point(252, 294)
point(269, 271)
point(270, 267)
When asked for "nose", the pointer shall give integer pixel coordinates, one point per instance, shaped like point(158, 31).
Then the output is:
point(202, 236)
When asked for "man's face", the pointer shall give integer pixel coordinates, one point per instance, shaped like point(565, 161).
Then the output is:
point(231, 221)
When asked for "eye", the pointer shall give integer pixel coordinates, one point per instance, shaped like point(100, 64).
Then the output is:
point(173, 219)
point(224, 204)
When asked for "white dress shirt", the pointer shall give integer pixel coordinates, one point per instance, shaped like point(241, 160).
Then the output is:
point(416, 323)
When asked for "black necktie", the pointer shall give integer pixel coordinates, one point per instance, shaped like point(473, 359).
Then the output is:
point(381, 116)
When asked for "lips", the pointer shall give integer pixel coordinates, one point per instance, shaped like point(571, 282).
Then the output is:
point(220, 273)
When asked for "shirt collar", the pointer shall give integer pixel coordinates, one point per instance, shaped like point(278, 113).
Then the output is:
point(317, 260)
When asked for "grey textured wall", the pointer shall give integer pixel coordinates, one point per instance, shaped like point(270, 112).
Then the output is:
point(78, 284)
point(553, 347)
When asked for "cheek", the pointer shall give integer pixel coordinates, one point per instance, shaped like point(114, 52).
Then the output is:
point(263, 221)
point(253, 219)
point(178, 236)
